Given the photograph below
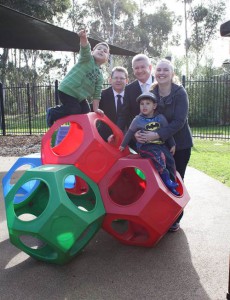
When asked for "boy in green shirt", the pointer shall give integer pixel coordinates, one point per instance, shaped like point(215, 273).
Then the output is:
point(84, 80)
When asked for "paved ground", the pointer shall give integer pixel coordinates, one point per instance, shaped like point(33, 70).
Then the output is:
point(191, 264)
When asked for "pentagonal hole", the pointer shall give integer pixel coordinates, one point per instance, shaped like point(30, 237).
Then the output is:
point(67, 139)
point(103, 129)
point(84, 201)
point(126, 187)
point(59, 134)
point(33, 205)
point(75, 185)
point(106, 131)
point(25, 190)
point(120, 225)
point(32, 242)
point(138, 232)
point(130, 230)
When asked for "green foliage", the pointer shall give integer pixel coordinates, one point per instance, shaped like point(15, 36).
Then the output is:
point(44, 10)
point(154, 30)
point(204, 20)
point(125, 24)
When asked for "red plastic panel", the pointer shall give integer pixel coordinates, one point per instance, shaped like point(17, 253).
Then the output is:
point(139, 209)
point(83, 146)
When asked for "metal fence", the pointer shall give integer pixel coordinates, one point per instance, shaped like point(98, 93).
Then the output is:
point(209, 107)
point(23, 107)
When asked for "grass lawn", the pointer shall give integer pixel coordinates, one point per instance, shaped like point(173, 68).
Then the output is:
point(212, 158)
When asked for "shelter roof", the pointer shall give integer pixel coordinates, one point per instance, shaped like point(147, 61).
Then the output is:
point(21, 31)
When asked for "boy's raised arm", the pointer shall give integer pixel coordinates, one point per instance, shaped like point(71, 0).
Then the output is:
point(83, 38)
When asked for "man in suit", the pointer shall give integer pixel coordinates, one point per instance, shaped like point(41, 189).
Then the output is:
point(142, 69)
point(112, 98)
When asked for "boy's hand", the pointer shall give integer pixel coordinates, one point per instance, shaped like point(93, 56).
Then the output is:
point(121, 148)
point(83, 37)
point(111, 139)
point(99, 111)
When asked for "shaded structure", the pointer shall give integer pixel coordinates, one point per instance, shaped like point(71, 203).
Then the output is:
point(21, 31)
point(225, 29)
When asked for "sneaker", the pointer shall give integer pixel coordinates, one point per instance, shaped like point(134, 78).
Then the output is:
point(175, 227)
point(49, 122)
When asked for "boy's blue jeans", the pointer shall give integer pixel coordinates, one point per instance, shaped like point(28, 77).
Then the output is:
point(161, 158)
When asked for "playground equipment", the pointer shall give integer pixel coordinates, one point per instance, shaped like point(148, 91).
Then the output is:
point(31, 161)
point(59, 224)
point(83, 146)
point(146, 206)
point(23, 163)
point(117, 191)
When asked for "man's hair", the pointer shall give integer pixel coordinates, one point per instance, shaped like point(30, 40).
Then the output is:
point(120, 69)
point(101, 43)
point(140, 57)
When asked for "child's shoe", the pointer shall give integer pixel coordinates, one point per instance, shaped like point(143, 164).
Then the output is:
point(171, 185)
point(175, 227)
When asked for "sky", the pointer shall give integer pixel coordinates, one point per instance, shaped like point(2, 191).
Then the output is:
point(220, 47)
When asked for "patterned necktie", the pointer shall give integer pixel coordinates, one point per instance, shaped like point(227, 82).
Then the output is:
point(119, 104)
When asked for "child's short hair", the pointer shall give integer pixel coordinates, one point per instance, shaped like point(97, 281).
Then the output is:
point(101, 43)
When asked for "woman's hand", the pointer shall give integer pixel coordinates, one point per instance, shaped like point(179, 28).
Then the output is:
point(143, 136)
point(139, 136)
point(173, 150)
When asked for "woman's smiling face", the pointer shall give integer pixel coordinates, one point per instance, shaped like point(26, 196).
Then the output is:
point(164, 72)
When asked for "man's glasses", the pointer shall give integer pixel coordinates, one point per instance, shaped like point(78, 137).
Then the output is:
point(118, 78)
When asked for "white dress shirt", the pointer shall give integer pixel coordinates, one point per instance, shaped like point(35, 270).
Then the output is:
point(147, 84)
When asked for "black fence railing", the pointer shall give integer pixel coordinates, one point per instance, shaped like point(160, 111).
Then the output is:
point(23, 108)
point(209, 107)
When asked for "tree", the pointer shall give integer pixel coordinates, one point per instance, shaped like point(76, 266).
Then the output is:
point(153, 31)
point(126, 24)
point(204, 21)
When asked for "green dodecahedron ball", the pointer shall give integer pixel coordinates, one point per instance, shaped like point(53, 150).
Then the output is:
point(54, 223)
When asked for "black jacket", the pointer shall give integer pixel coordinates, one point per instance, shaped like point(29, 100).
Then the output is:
point(131, 108)
point(175, 108)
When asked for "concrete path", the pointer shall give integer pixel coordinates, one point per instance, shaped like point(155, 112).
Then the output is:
point(191, 264)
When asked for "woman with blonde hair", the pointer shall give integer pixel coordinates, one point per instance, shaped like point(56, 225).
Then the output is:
point(173, 104)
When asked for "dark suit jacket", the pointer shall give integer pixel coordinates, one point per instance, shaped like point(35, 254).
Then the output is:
point(130, 108)
point(107, 104)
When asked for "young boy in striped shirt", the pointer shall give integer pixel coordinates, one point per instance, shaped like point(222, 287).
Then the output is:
point(84, 80)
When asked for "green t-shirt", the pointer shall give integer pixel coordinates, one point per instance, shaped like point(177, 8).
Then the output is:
point(85, 79)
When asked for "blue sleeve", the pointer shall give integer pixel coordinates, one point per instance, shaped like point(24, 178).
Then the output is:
point(131, 131)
